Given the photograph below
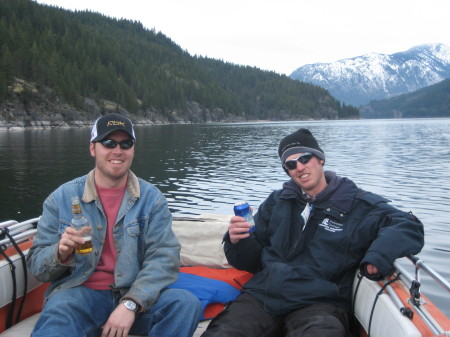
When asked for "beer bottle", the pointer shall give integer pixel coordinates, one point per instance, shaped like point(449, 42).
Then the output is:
point(80, 223)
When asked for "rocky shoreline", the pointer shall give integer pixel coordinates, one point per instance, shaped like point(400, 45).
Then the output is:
point(38, 115)
point(30, 108)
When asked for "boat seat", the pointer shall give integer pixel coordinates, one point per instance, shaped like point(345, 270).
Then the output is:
point(387, 319)
point(22, 328)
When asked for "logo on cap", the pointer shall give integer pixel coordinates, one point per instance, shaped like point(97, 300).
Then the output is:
point(115, 123)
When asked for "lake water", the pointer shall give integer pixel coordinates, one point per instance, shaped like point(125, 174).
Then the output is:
point(207, 168)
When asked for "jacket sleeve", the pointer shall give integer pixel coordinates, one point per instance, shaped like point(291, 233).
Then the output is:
point(398, 234)
point(245, 254)
point(42, 258)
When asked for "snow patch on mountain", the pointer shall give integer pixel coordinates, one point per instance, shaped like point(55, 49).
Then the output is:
point(374, 76)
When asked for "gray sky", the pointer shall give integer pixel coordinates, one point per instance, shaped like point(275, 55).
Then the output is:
point(283, 35)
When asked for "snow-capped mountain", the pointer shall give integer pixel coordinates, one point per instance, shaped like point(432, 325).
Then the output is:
point(362, 79)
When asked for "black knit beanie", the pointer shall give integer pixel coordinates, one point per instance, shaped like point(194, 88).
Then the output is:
point(300, 141)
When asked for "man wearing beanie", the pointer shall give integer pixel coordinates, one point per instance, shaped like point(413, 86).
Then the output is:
point(121, 286)
point(311, 238)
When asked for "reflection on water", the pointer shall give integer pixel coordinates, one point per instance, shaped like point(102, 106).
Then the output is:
point(207, 168)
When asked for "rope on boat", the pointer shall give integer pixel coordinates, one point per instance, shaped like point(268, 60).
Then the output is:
point(376, 300)
point(5, 232)
point(405, 311)
point(354, 327)
point(9, 319)
point(360, 277)
point(25, 274)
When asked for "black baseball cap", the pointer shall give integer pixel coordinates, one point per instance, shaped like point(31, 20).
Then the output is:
point(108, 123)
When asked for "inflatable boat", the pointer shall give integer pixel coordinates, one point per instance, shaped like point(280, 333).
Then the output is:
point(394, 307)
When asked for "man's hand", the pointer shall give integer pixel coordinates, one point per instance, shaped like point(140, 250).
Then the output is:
point(371, 269)
point(371, 272)
point(238, 229)
point(69, 240)
point(119, 322)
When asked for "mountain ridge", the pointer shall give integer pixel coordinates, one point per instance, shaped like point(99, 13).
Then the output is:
point(374, 76)
point(429, 102)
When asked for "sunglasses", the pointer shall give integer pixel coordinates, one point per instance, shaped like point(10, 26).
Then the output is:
point(292, 164)
point(111, 144)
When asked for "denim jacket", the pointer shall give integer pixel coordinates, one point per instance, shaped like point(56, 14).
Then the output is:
point(148, 253)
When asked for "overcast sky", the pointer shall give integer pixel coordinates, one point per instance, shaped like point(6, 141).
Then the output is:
point(283, 35)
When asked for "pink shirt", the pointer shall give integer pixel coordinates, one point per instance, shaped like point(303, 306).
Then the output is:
point(103, 276)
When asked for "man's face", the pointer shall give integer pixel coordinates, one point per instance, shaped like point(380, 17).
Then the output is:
point(112, 165)
point(309, 176)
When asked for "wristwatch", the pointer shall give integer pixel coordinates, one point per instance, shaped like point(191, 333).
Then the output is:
point(130, 305)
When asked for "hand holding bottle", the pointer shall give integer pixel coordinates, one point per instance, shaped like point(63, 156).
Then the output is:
point(70, 240)
point(82, 227)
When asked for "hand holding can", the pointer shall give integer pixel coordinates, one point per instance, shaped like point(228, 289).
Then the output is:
point(243, 209)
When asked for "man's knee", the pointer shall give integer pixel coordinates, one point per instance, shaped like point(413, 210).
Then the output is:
point(243, 317)
point(318, 320)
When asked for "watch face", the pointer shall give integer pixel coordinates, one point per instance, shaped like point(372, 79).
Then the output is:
point(130, 305)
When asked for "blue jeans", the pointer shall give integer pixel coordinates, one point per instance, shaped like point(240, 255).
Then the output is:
point(81, 312)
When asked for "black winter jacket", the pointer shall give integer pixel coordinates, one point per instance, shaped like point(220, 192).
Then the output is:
point(298, 264)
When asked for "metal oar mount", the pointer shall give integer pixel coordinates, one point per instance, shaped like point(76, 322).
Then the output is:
point(429, 271)
point(415, 300)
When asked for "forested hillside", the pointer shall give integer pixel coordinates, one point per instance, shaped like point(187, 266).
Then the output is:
point(62, 66)
point(432, 101)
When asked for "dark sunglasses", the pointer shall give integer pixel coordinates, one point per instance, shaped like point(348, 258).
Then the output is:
point(111, 143)
point(292, 164)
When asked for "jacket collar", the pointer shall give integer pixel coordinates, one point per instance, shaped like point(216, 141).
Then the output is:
point(339, 192)
point(90, 191)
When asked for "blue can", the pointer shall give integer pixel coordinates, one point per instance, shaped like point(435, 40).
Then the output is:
point(243, 209)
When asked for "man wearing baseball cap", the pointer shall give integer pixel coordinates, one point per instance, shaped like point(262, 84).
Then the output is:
point(311, 237)
point(121, 286)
